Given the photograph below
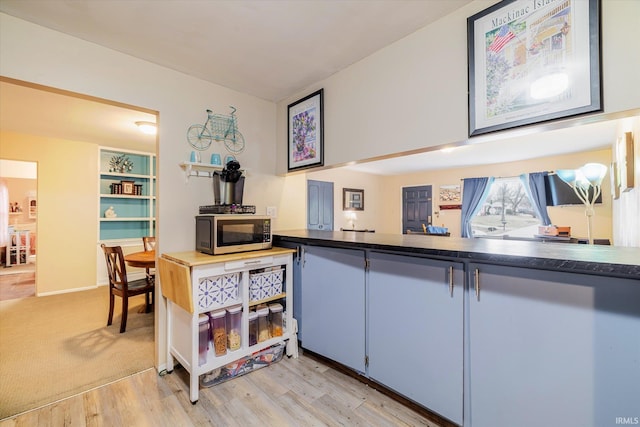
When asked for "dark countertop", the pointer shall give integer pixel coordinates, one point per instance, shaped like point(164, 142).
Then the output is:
point(598, 260)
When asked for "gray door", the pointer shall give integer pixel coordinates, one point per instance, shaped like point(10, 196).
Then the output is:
point(319, 205)
point(416, 208)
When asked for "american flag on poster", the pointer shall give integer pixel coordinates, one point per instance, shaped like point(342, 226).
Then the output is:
point(502, 38)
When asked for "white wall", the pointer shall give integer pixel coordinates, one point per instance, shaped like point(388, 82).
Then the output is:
point(18, 169)
point(626, 210)
point(409, 95)
point(35, 54)
point(413, 94)
point(573, 216)
point(375, 201)
point(39, 55)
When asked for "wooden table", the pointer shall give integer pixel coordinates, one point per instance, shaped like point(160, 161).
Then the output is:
point(144, 259)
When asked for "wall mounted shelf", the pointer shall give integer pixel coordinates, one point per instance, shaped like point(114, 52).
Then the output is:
point(202, 170)
point(199, 169)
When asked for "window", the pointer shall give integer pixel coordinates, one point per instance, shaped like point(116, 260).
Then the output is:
point(508, 210)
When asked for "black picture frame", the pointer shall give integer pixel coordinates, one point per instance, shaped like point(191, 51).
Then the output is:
point(305, 132)
point(519, 50)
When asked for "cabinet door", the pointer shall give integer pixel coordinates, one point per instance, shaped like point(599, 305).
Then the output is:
point(552, 348)
point(415, 330)
point(333, 304)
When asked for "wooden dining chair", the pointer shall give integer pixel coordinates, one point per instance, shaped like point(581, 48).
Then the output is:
point(120, 286)
point(149, 244)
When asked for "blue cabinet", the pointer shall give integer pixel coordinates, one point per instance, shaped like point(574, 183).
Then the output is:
point(415, 330)
point(548, 348)
point(333, 304)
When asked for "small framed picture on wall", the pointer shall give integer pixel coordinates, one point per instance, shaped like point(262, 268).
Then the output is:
point(352, 199)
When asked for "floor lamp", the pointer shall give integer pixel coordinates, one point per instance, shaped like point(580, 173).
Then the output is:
point(581, 180)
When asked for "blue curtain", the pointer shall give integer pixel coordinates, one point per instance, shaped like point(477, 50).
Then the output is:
point(536, 188)
point(474, 193)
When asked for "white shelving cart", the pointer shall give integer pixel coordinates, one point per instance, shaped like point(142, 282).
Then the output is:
point(195, 283)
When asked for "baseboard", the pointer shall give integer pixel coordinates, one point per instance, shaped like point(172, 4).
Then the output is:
point(67, 291)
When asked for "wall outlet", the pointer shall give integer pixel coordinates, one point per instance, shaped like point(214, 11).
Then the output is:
point(272, 211)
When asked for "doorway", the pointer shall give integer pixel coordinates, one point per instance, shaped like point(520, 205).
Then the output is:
point(65, 151)
point(19, 181)
point(416, 208)
point(58, 126)
point(319, 205)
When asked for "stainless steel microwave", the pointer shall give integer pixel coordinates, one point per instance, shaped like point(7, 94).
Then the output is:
point(218, 234)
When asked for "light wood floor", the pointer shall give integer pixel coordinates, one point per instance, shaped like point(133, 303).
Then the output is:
point(17, 285)
point(293, 392)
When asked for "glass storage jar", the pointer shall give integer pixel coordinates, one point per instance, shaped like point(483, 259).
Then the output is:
point(203, 339)
point(219, 327)
point(276, 319)
point(253, 328)
point(234, 317)
point(263, 324)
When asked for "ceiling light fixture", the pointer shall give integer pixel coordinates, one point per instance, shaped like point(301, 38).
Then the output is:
point(148, 128)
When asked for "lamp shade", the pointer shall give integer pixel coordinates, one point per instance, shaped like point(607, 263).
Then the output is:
point(594, 173)
point(581, 180)
point(567, 175)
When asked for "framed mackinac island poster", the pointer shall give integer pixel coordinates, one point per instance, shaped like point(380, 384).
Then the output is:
point(532, 61)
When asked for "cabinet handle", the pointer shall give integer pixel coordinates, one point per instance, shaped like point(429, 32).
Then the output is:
point(252, 262)
point(451, 280)
point(477, 277)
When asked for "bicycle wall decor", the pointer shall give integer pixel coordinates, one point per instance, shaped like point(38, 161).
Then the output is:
point(218, 127)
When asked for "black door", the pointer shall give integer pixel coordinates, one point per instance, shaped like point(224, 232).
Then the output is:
point(416, 208)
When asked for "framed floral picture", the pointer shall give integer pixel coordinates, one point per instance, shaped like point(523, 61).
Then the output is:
point(305, 142)
point(533, 61)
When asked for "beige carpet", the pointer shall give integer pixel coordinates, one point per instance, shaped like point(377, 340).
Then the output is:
point(56, 346)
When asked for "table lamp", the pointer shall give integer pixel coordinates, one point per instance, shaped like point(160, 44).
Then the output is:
point(581, 180)
point(352, 217)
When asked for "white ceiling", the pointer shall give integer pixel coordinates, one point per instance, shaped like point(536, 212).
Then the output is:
point(256, 47)
point(49, 114)
point(260, 47)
